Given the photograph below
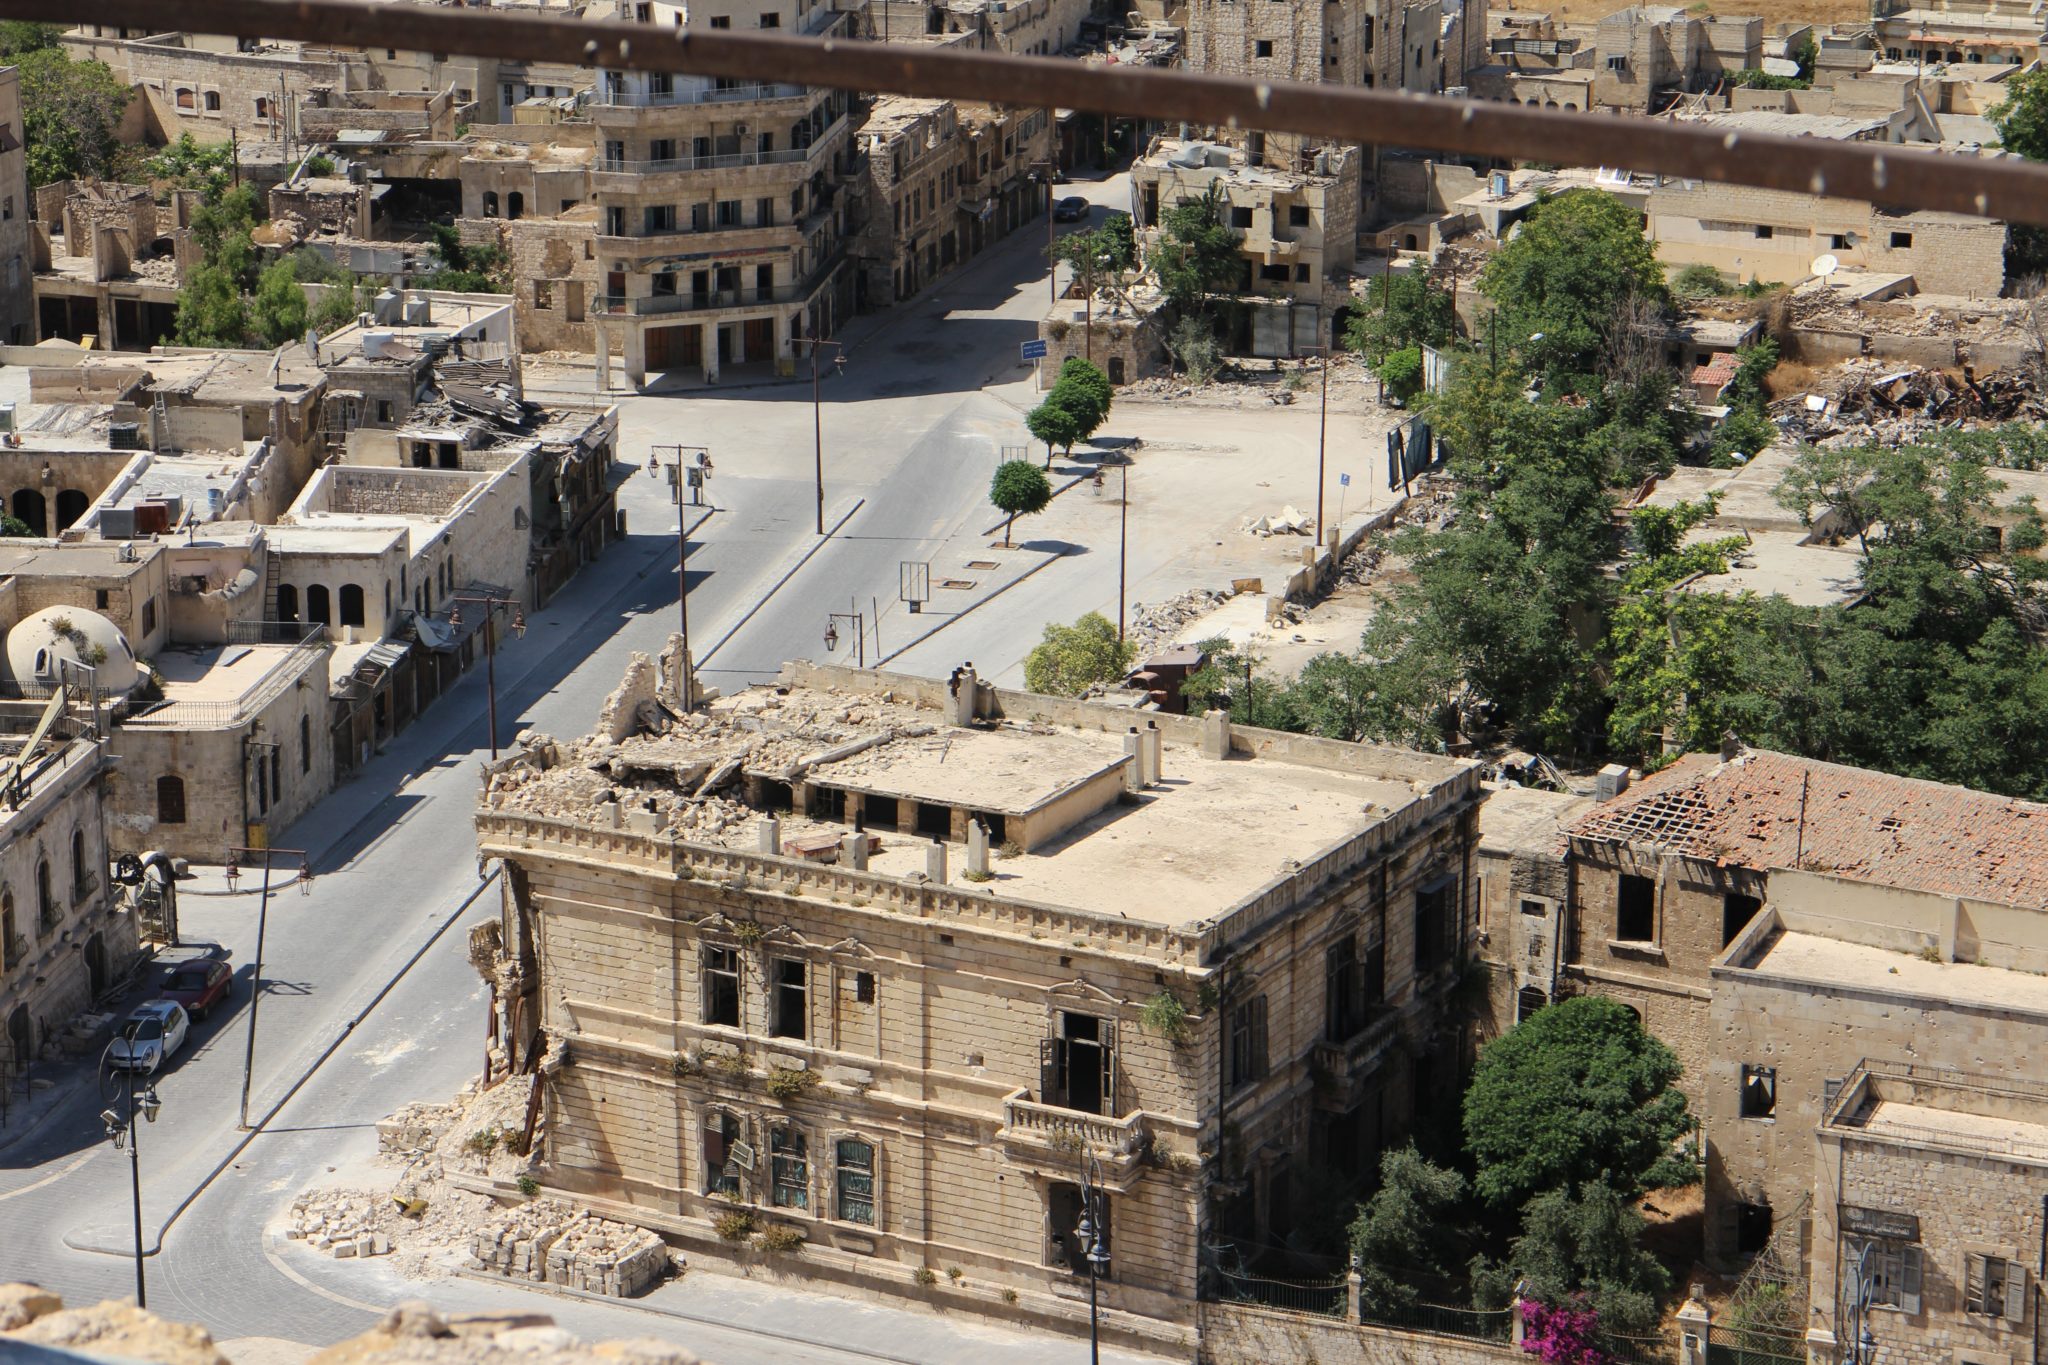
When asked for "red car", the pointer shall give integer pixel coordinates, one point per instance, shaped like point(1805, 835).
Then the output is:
point(199, 985)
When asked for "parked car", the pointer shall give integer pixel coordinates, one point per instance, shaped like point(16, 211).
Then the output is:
point(1072, 209)
point(145, 1040)
point(199, 985)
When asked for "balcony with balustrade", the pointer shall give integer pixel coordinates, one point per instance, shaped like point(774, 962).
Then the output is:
point(740, 173)
point(1048, 1138)
point(1344, 1069)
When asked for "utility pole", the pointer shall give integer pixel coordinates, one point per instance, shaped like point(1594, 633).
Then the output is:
point(234, 855)
point(1123, 541)
point(817, 415)
point(1322, 433)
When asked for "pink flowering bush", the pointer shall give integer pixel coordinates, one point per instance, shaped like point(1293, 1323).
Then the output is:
point(1562, 1334)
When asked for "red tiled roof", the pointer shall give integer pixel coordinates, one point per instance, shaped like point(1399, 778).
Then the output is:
point(1718, 371)
point(1771, 811)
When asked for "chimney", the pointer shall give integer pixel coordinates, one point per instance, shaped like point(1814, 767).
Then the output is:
point(1731, 747)
point(935, 861)
point(853, 852)
point(977, 847)
point(771, 836)
point(1134, 750)
point(1155, 753)
point(1216, 734)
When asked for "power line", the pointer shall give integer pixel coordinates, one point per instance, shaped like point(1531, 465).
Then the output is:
point(1885, 174)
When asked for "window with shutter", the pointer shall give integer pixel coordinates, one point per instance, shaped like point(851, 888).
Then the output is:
point(1052, 1071)
point(2015, 1293)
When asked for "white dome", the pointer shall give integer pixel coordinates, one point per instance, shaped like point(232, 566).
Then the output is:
point(42, 638)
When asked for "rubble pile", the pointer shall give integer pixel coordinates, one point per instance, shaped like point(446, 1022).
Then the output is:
point(516, 1246)
point(1288, 521)
point(1817, 307)
point(603, 1257)
point(342, 1223)
point(1864, 402)
point(1159, 625)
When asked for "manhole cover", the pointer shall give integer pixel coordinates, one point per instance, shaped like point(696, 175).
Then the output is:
point(956, 582)
point(983, 564)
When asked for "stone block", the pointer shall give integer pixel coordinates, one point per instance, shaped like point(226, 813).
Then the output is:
point(343, 1251)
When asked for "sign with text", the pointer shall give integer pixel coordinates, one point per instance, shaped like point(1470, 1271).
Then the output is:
point(1031, 350)
point(1899, 1227)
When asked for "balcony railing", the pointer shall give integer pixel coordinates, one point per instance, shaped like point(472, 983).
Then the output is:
point(731, 94)
point(1059, 1128)
point(16, 952)
point(725, 162)
point(656, 305)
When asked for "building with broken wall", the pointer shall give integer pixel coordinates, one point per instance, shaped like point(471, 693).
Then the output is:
point(887, 962)
point(17, 255)
point(1776, 921)
point(109, 262)
point(65, 939)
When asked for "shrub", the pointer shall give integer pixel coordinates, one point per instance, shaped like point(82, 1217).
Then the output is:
point(954, 1273)
point(1009, 1296)
point(484, 1141)
point(1402, 372)
point(975, 876)
point(735, 1225)
point(785, 1085)
point(748, 933)
point(1699, 281)
point(778, 1240)
point(529, 1187)
point(925, 1276)
point(1010, 848)
point(1164, 1015)
point(730, 1065)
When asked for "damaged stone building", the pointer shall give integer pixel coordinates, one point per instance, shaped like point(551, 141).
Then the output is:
point(1779, 922)
point(109, 262)
point(899, 964)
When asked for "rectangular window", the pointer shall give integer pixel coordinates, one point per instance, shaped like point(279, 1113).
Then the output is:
point(789, 1169)
point(728, 213)
point(1902, 241)
point(721, 1135)
point(788, 1017)
point(149, 616)
point(1894, 1272)
point(1247, 1042)
point(543, 294)
point(1736, 913)
point(1077, 1068)
point(864, 987)
point(1535, 909)
point(1763, 232)
point(1262, 47)
point(1635, 909)
point(1240, 217)
point(1433, 926)
point(1759, 1091)
point(721, 21)
point(722, 987)
point(771, 21)
point(856, 1182)
point(1995, 1287)
point(1297, 215)
point(764, 212)
point(1343, 990)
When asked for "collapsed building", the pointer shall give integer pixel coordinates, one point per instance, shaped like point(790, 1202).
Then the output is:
point(903, 965)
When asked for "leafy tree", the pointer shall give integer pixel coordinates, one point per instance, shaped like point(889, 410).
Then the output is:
point(1699, 281)
point(319, 165)
point(1019, 489)
point(1583, 1247)
point(1196, 254)
point(222, 230)
point(1401, 371)
point(18, 37)
point(279, 309)
point(1406, 313)
point(193, 165)
point(1756, 78)
point(211, 309)
point(1071, 659)
point(1120, 241)
point(336, 308)
point(1575, 1096)
point(13, 527)
point(1230, 681)
point(69, 113)
point(466, 269)
point(1192, 343)
point(1740, 437)
point(1055, 422)
point(2021, 118)
point(1576, 262)
point(1086, 392)
point(1408, 1229)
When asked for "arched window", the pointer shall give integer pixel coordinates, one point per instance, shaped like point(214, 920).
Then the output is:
point(721, 1131)
point(515, 204)
point(184, 98)
point(262, 106)
point(213, 101)
point(317, 608)
point(351, 604)
point(46, 904)
point(11, 949)
point(790, 1175)
point(855, 1182)
point(1528, 1001)
point(287, 602)
point(490, 203)
point(170, 800)
point(81, 879)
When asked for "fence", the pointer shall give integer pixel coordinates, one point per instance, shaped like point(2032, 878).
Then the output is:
point(1325, 1298)
point(1754, 1346)
point(1639, 1350)
point(1474, 1324)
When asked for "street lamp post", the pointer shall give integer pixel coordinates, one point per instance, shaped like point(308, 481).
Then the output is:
point(703, 469)
point(858, 622)
point(1090, 1231)
point(1322, 433)
point(1123, 538)
point(490, 602)
point(233, 859)
point(817, 415)
point(121, 1130)
point(1052, 265)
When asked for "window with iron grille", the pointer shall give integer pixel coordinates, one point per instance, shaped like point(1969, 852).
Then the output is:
point(856, 1182)
point(789, 1160)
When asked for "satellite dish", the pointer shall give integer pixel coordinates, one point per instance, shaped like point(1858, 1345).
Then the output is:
point(313, 345)
point(1826, 265)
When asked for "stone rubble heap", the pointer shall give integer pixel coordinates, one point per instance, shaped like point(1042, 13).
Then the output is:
point(603, 1257)
point(1159, 625)
point(342, 1223)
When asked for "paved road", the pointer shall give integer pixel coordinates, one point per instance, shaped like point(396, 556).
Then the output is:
point(368, 1000)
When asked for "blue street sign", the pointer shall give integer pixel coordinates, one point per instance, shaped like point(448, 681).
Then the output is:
point(1344, 481)
point(1031, 350)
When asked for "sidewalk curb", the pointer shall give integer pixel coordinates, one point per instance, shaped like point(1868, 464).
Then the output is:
point(970, 609)
point(820, 543)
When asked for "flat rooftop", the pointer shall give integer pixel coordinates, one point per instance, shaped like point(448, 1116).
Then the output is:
point(223, 673)
point(75, 559)
point(1926, 1123)
point(1212, 834)
point(1858, 966)
point(347, 539)
point(1781, 564)
point(1530, 818)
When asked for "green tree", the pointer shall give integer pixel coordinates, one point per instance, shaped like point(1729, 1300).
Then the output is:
point(1408, 1229)
point(70, 111)
point(14, 527)
point(1191, 341)
point(1568, 278)
point(211, 309)
point(1196, 253)
point(193, 165)
point(1585, 1243)
point(1019, 489)
point(337, 307)
point(1055, 422)
point(2021, 118)
point(1575, 1096)
point(1401, 371)
point(18, 37)
point(1071, 659)
point(279, 309)
point(1087, 392)
point(1120, 241)
point(1405, 313)
point(466, 269)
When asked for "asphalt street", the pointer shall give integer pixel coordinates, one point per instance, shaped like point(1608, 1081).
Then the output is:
point(368, 999)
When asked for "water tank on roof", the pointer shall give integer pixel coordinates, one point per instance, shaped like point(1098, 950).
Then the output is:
point(417, 312)
point(386, 307)
point(376, 345)
point(216, 503)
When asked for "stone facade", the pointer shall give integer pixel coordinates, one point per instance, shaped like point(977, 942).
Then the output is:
point(210, 86)
point(910, 1070)
point(17, 264)
point(62, 942)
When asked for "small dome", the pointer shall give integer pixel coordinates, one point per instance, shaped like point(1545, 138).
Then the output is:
point(35, 646)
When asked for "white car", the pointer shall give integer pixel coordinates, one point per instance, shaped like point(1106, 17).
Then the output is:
point(149, 1035)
